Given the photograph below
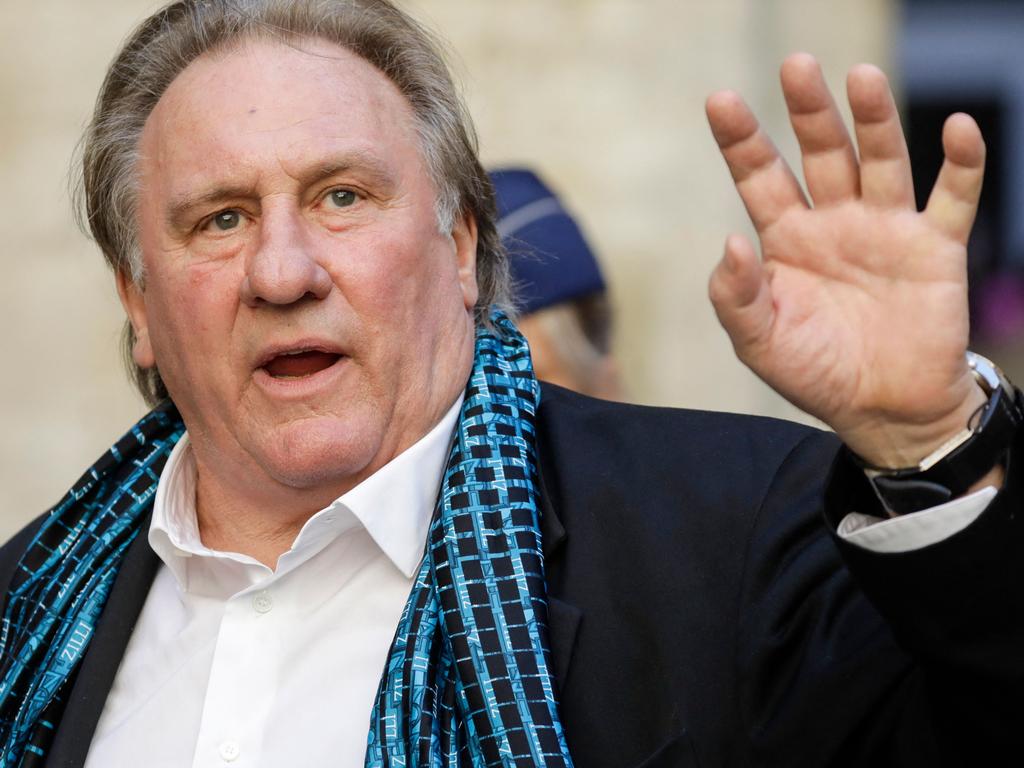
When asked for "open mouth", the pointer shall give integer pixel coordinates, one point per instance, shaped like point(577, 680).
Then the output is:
point(297, 365)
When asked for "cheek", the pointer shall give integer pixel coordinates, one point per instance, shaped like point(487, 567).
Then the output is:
point(193, 312)
point(397, 274)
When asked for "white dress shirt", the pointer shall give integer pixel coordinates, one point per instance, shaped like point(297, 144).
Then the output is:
point(234, 664)
point(916, 530)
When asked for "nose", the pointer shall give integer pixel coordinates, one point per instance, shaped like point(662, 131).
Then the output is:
point(284, 268)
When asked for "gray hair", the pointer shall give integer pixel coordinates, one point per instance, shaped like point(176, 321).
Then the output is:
point(169, 40)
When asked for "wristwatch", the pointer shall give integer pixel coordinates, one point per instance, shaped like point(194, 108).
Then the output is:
point(962, 460)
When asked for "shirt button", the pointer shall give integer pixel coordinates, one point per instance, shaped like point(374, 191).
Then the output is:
point(262, 602)
point(229, 751)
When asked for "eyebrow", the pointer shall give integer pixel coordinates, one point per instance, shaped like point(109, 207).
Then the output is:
point(179, 212)
point(366, 165)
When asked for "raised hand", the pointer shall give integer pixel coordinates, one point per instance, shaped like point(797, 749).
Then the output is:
point(856, 310)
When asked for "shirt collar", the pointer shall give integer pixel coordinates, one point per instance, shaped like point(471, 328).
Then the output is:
point(395, 505)
point(173, 531)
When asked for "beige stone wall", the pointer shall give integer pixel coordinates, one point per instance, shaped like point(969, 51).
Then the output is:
point(603, 96)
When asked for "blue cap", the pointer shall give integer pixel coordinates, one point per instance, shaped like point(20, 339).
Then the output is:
point(549, 258)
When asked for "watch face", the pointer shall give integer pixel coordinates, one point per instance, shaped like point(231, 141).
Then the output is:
point(987, 373)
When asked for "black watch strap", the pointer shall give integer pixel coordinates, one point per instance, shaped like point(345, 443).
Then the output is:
point(953, 468)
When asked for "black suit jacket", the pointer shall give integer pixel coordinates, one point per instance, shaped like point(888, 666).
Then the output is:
point(700, 612)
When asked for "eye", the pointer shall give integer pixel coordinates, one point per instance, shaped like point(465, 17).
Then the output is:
point(342, 198)
point(226, 220)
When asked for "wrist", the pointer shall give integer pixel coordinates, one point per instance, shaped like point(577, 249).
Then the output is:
point(894, 445)
point(969, 459)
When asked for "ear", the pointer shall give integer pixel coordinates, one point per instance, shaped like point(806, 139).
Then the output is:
point(464, 235)
point(134, 302)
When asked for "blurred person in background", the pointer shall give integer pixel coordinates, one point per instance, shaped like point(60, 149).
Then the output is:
point(565, 310)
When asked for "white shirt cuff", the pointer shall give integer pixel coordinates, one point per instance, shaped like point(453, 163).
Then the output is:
point(918, 529)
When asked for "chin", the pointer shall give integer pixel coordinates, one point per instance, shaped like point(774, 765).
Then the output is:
point(327, 453)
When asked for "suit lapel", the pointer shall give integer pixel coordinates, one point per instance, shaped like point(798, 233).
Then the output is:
point(563, 618)
point(99, 666)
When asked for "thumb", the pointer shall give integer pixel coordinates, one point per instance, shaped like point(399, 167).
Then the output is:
point(742, 297)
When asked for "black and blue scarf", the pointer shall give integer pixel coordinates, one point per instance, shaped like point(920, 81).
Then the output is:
point(468, 680)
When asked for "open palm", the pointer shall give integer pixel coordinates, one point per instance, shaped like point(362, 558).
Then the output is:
point(857, 309)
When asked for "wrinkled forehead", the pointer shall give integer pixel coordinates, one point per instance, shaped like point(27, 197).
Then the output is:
point(312, 75)
point(264, 106)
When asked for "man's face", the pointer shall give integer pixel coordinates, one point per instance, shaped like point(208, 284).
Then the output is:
point(308, 317)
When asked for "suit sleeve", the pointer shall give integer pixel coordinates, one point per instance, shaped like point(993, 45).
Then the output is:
point(956, 607)
point(848, 657)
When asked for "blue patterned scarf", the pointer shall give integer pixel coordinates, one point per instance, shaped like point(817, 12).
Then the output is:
point(468, 680)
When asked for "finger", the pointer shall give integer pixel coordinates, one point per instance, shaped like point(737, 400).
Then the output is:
point(953, 203)
point(741, 296)
point(830, 163)
point(764, 180)
point(885, 178)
